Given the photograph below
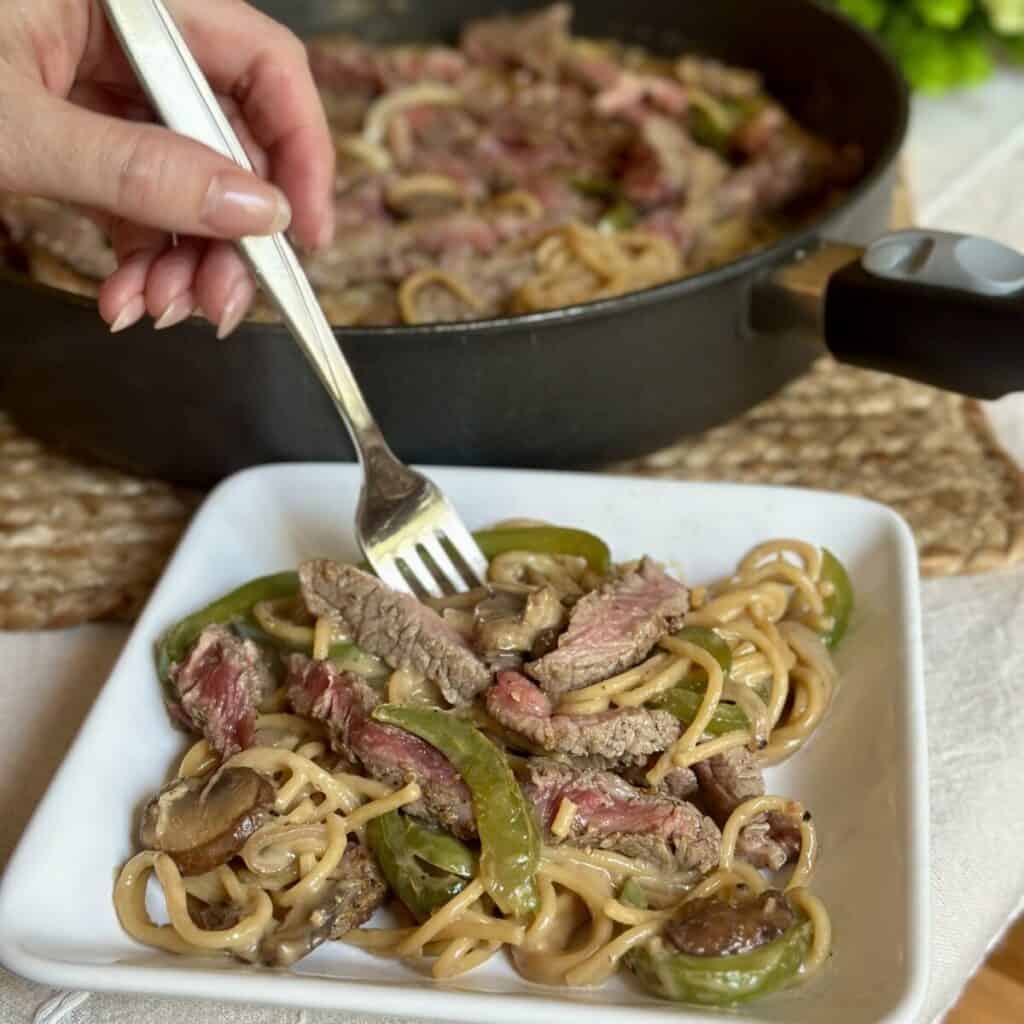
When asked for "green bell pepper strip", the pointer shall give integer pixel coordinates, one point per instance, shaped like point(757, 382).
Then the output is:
point(545, 540)
point(684, 703)
point(233, 607)
point(699, 636)
point(596, 187)
point(402, 848)
point(620, 217)
point(722, 980)
point(548, 540)
point(839, 604)
point(632, 893)
point(713, 121)
point(249, 627)
point(509, 843)
point(684, 700)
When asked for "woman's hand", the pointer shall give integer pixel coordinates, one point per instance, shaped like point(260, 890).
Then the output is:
point(75, 126)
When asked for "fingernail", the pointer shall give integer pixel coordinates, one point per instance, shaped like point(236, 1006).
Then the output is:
point(178, 309)
point(234, 309)
point(237, 205)
point(131, 314)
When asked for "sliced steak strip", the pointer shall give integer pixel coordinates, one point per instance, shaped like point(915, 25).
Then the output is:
point(316, 689)
point(625, 736)
point(343, 64)
point(678, 782)
point(727, 780)
point(666, 162)
point(717, 927)
point(613, 815)
point(770, 842)
point(537, 40)
point(613, 628)
point(356, 890)
point(395, 627)
point(219, 686)
point(344, 701)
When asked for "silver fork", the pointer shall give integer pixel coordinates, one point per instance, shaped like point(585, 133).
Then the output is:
point(408, 530)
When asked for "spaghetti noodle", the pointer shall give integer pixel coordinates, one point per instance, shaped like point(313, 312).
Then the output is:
point(752, 651)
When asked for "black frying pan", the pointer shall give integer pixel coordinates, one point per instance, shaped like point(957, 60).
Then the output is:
point(579, 386)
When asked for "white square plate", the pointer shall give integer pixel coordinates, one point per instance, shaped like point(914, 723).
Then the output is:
point(863, 776)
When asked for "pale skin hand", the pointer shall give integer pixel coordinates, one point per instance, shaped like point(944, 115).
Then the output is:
point(75, 126)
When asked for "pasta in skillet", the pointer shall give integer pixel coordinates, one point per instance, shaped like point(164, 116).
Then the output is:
point(524, 169)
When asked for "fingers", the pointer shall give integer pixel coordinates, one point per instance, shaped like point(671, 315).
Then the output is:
point(285, 115)
point(247, 55)
point(122, 301)
point(170, 292)
point(104, 100)
point(253, 150)
point(171, 283)
point(264, 67)
point(224, 288)
point(139, 172)
point(148, 175)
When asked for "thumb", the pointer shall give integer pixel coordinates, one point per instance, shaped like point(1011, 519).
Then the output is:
point(142, 173)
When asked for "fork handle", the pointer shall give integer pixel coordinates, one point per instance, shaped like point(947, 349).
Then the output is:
point(181, 95)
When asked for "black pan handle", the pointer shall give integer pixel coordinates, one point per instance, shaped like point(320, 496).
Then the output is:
point(940, 308)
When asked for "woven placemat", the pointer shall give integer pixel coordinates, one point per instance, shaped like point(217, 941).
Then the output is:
point(928, 454)
point(78, 542)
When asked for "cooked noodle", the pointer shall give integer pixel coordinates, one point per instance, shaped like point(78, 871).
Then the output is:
point(536, 185)
point(378, 117)
point(577, 263)
point(410, 289)
point(782, 679)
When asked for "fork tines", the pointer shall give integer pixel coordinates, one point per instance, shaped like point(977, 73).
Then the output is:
point(439, 563)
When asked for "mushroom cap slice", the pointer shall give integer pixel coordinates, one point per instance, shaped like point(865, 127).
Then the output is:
point(202, 822)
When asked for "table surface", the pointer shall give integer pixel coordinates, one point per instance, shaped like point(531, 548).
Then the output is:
point(966, 166)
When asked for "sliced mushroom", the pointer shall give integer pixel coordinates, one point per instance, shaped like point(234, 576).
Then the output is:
point(515, 621)
point(710, 926)
point(565, 573)
point(202, 822)
point(213, 917)
point(354, 890)
point(425, 195)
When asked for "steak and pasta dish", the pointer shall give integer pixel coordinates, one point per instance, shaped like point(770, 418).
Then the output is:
point(562, 767)
point(523, 169)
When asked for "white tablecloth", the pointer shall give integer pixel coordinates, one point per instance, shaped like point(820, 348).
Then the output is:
point(973, 633)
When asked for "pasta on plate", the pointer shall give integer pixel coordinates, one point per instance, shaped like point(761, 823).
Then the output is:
point(562, 766)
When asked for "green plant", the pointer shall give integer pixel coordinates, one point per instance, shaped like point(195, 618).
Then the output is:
point(943, 44)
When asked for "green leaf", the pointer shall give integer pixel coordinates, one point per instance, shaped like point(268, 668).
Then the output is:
point(869, 13)
point(943, 14)
point(1006, 16)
